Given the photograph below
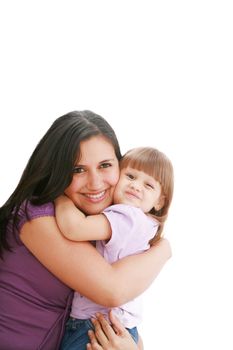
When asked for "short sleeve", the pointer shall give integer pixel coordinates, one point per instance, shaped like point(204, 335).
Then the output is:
point(131, 230)
point(29, 211)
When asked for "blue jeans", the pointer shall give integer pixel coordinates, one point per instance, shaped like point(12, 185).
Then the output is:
point(76, 336)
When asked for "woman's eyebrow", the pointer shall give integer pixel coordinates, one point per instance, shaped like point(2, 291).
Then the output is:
point(101, 161)
point(107, 160)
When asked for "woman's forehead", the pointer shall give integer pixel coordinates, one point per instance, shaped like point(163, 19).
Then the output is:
point(96, 149)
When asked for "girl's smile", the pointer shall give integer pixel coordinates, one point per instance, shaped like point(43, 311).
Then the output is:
point(138, 189)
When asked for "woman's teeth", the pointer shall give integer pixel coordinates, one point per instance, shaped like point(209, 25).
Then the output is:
point(95, 196)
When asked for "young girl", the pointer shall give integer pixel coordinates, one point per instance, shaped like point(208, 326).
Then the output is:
point(142, 198)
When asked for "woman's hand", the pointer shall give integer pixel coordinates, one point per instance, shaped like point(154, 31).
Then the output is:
point(110, 338)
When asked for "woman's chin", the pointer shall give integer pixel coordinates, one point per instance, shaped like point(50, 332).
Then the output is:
point(96, 208)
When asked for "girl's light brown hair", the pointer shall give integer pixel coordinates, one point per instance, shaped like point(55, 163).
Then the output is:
point(156, 164)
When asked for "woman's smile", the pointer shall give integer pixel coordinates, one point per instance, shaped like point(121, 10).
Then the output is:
point(95, 177)
point(95, 197)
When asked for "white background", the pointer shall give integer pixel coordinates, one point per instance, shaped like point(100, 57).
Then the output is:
point(161, 73)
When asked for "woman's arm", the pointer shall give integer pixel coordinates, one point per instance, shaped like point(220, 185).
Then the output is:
point(75, 226)
point(82, 268)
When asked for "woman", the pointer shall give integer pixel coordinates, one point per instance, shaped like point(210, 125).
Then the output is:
point(40, 268)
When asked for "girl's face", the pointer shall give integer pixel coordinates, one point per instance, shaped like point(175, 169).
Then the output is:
point(95, 176)
point(138, 189)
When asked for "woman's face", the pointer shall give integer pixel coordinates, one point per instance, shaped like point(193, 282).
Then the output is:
point(95, 175)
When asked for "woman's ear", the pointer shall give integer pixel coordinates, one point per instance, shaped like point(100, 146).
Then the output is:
point(159, 205)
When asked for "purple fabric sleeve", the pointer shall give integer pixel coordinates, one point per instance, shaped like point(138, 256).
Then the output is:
point(30, 211)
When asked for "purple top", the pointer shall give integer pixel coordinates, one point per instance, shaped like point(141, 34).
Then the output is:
point(34, 304)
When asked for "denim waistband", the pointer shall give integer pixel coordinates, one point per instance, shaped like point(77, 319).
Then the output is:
point(75, 323)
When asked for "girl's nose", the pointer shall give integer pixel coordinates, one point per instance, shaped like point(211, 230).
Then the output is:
point(135, 185)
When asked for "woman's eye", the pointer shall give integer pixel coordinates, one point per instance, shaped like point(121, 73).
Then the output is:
point(78, 170)
point(105, 165)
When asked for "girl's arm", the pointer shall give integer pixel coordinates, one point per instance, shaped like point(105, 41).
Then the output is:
point(75, 226)
point(82, 268)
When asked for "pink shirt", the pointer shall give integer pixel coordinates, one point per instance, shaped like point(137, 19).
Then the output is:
point(131, 232)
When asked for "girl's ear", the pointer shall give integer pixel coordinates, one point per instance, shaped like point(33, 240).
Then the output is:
point(159, 205)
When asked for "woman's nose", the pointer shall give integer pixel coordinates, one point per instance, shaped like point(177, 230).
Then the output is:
point(95, 181)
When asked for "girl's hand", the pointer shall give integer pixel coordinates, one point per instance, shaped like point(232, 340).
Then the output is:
point(107, 337)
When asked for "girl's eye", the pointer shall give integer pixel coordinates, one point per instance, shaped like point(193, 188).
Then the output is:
point(150, 186)
point(78, 170)
point(105, 165)
point(130, 176)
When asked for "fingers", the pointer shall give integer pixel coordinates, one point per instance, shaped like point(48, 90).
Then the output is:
point(118, 327)
point(94, 344)
point(106, 327)
point(105, 338)
point(103, 331)
point(89, 347)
